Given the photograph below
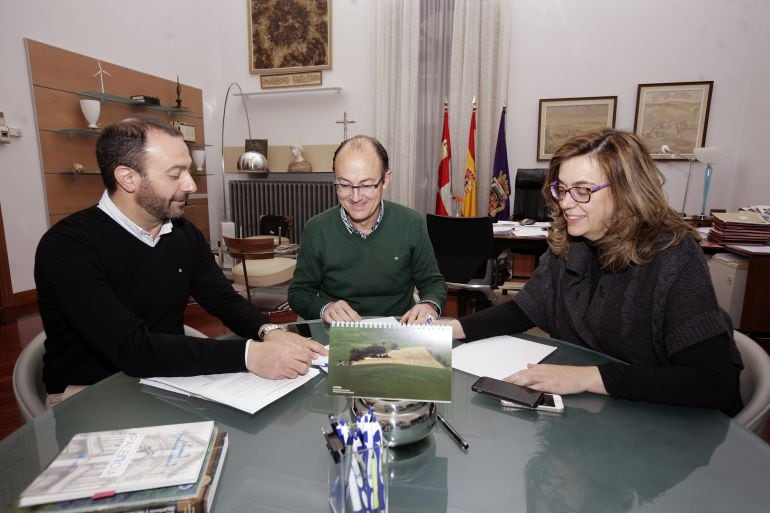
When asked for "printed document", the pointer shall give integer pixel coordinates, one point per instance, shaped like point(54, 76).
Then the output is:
point(241, 390)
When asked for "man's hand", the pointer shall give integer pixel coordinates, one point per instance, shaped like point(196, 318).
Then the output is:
point(283, 355)
point(340, 311)
point(559, 379)
point(419, 313)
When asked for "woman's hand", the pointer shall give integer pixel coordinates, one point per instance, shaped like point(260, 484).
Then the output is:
point(560, 379)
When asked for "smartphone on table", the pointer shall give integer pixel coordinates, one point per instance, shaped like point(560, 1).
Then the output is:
point(515, 396)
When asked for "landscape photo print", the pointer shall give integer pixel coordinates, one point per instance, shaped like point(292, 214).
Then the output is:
point(391, 362)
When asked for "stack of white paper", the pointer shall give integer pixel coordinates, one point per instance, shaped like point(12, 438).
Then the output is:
point(498, 357)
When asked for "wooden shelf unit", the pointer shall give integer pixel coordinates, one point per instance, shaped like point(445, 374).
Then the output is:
point(60, 79)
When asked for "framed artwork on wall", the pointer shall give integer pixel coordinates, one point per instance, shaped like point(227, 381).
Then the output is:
point(674, 114)
point(561, 119)
point(289, 36)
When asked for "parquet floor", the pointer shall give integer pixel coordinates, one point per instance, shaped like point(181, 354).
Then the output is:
point(15, 335)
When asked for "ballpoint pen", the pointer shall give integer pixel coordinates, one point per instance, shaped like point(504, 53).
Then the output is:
point(452, 431)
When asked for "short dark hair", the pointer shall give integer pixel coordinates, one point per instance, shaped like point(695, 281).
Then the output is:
point(359, 143)
point(123, 144)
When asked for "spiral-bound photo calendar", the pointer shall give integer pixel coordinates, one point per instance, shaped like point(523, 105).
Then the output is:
point(390, 361)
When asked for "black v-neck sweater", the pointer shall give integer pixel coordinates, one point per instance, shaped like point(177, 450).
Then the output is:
point(110, 303)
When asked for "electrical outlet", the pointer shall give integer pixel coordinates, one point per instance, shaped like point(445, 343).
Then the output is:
point(5, 134)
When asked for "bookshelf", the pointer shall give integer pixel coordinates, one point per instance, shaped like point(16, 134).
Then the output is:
point(60, 79)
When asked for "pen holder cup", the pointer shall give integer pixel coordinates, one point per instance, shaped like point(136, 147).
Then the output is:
point(359, 482)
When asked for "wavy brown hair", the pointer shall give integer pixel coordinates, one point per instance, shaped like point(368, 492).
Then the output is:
point(643, 223)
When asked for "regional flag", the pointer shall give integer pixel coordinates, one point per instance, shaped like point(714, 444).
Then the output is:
point(469, 201)
point(500, 190)
point(444, 194)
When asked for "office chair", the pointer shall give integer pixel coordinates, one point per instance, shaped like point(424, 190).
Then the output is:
point(28, 386)
point(464, 249)
point(276, 225)
point(259, 267)
point(755, 385)
point(528, 203)
point(528, 200)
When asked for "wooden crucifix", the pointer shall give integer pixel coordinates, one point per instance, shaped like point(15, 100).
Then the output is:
point(345, 122)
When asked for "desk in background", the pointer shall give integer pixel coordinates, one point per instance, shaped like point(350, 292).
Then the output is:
point(526, 251)
point(601, 454)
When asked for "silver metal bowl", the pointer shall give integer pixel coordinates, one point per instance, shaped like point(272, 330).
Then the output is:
point(402, 422)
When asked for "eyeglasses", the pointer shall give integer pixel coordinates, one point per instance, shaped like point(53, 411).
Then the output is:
point(346, 189)
point(579, 193)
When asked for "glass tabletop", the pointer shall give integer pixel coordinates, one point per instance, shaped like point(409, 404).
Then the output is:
point(601, 454)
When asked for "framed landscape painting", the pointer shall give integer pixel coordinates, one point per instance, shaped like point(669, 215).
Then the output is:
point(561, 119)
point(674, 114)
point(289, 36)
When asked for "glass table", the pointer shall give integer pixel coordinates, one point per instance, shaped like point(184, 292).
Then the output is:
point(601, 454)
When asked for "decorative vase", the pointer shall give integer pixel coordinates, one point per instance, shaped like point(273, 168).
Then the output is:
point(199, 157)
point(91, 109)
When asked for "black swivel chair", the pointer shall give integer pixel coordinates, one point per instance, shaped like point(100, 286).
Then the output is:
point(528, 200)
point(276, 225)
point(464, 249)
point(528, 203)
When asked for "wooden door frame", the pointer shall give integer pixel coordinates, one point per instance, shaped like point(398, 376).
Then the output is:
point(7, 310)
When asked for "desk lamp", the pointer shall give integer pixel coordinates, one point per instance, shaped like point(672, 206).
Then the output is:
point(249, 161)
point(668, 151)
point(709, 155)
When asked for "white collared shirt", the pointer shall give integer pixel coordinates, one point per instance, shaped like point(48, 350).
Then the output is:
point(108, 207)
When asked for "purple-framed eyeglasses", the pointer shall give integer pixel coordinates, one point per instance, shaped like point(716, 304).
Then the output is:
point(579, 193)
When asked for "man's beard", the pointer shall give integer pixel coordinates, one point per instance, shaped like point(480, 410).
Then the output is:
point(156, 205)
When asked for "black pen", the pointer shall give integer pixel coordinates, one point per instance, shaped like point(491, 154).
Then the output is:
point(457, 437)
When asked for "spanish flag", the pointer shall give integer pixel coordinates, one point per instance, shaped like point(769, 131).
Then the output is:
point(469, 202)
point(444, 194)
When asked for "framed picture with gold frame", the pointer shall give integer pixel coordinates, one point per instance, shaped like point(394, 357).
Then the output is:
point(675, 114)
point(289, 36)
point(561, 119)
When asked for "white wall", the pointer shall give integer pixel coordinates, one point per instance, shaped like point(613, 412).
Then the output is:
point(564, 49)
point(559, 49)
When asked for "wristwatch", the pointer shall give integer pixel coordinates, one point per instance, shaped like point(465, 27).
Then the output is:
point(267, 328)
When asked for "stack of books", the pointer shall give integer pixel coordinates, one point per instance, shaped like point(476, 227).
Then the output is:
point(739, 228)
point(172, 468)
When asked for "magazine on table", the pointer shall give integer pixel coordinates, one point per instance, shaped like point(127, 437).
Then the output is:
point(187, 498)
point(105, 463)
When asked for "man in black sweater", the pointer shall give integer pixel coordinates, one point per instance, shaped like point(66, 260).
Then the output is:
point(113, 280)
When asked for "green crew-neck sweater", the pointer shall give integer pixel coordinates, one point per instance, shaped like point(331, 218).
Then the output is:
point(376, 275)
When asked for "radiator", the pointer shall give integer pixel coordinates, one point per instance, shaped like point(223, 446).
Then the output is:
point(250, 198)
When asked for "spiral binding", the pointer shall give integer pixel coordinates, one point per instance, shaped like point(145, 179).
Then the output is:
point(364, 324)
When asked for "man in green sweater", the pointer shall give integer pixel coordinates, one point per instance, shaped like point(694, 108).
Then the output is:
point(366, 257)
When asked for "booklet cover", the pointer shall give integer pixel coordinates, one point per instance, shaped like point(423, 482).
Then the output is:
point(105, 463)
point(191, 498)
point(390, 361)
